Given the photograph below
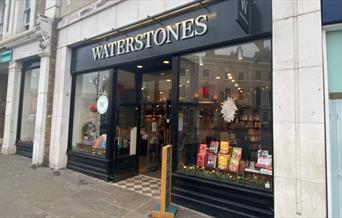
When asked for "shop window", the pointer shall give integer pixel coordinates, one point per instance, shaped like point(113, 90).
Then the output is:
point(27, 14)
point(241, 76)
point(90, 126)
point(29, 106)
point(257, 75)
point(206, 73)
point(236, 150)
point(2, 12)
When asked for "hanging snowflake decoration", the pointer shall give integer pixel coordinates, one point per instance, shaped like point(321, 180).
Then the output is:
point(228, 110)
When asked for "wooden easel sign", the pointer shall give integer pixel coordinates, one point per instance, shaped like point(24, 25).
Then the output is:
point(165, 209)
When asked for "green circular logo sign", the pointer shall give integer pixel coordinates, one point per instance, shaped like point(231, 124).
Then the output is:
point(102, 104)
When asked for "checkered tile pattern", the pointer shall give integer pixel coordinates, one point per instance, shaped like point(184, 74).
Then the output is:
point(142, 184)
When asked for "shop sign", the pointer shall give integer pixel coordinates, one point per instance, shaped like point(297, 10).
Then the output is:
point(244, 15)
point(6, 56)
point(183, 30)
point(102, 104)
point(165, 209)
point(174, 33)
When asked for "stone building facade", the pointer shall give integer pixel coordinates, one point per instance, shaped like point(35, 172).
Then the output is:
point(27, 37)
point(299, 140)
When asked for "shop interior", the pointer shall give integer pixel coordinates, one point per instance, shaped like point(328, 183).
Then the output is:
point(154, 101)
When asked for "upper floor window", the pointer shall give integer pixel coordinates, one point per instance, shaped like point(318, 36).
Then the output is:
point(257, 75)
point(27, 12)
point(2, 12)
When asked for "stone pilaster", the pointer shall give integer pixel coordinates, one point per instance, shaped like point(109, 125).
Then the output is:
point(60, 112)
point(39, 130)
point(12, 105)
point(299, 141)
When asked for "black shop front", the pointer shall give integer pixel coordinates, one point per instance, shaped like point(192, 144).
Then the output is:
point(198, 77)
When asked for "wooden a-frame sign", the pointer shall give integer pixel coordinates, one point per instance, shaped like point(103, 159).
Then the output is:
point(165, 209)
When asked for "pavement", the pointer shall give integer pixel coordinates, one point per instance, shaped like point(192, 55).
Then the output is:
point(41, 192)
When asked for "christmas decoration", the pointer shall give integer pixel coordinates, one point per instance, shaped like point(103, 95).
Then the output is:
point(228, 110)
point(92, 108)
point(231, 177)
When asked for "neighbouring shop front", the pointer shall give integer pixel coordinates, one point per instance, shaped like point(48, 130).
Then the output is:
point(198, 77)
point(3, 94)
point(332, 26)
point(27, 107)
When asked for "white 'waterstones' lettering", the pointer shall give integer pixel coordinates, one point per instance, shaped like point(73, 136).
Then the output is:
point(244, 4)
point(200, 22)
point(188, 31)
point(182, 30)
point(139, 44)
point(159, 36)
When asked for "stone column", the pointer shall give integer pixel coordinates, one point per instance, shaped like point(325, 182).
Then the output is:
point(39, 129)
point(12, 104)
point(61, 108)
point(299, 141)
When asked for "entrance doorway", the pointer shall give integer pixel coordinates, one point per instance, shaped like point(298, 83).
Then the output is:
point(155, 120)
point(143, 105)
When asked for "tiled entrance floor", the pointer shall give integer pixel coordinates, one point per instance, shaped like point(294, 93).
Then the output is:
point(142, 184)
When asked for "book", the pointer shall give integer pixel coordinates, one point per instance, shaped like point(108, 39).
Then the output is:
point(264, 159)
point(224, 147)
point(214, 146)
point(235, 159)
point(211, 160)
point(202, 149)
point(201, 160)
point(223, 161)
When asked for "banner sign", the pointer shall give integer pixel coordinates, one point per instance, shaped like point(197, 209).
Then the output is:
point(174, 33)
point(6, 56)
point(165, 209)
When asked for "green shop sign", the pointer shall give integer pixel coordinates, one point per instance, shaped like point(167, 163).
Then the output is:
point(5, 56)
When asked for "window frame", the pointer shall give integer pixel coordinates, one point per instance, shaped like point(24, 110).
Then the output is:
point(30, 65)
point(27, 14)
point(178, 104)
point(72, 114)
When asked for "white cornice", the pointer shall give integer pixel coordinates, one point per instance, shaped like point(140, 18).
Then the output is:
point(19, 39)
point(87, 11)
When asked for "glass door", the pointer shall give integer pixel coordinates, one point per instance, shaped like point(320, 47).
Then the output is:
point(127, 128)
point(155, 119)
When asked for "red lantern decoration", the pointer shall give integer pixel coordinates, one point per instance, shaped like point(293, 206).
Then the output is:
point(93, 108)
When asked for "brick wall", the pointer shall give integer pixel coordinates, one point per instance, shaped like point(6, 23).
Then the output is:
point(53, 51)
point(3, 91)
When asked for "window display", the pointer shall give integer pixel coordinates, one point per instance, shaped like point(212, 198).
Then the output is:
point(225, 115)
point(29, 106)
point(90, 127)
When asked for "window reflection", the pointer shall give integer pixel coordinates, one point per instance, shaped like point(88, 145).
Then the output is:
point(28, 115)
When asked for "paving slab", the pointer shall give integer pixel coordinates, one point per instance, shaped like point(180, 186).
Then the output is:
point(44, 193)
